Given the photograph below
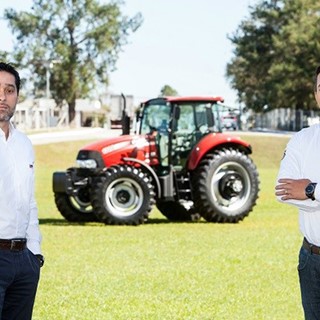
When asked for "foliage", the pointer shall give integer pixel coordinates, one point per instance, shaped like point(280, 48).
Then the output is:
point(166, 270)
point(4, 56)
point(77, 41)
point(168, 91)
point(275, 55)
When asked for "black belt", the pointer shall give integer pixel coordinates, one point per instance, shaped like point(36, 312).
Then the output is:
point(13, 245)
point(310, 247)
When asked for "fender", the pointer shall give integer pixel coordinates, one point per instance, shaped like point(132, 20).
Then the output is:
point(149, 169)
point(212, 141)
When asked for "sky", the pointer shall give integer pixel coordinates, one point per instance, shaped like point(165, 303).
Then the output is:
point(181, 43)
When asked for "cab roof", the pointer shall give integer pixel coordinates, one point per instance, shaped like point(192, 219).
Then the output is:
point(190, 99)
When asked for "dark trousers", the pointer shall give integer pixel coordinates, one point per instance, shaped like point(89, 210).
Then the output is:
point(19, 276)
point(309, 275)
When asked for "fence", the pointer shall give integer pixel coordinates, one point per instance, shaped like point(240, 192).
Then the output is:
point(284, 119)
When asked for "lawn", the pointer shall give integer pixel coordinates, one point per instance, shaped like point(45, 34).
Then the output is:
point(164, 270)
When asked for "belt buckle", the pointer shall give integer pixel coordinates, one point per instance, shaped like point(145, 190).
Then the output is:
point(13, 245)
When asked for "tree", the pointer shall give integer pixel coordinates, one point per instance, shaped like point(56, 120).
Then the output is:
point(274, 55)
point(253, 54)
point(78, 41)
point(297, 49)
point(168, 91)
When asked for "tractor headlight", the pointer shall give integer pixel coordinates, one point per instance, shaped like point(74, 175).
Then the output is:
point(88, 163)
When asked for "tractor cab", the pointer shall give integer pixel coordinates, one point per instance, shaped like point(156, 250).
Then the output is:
point(178, 125)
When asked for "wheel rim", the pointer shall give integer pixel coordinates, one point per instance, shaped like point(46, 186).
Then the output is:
point(231, 187)
point(124, 197)
point(80, 205)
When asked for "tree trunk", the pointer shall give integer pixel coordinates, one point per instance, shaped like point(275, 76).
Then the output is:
point(72, 112)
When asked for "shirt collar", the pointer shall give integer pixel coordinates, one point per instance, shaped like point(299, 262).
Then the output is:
point(11, 132)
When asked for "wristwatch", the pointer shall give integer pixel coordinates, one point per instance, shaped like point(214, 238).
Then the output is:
point(40, 257)
point(310, 188)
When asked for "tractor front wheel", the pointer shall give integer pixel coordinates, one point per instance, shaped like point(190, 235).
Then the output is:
point(75, 208)
point(122, 195)
point(226, 186)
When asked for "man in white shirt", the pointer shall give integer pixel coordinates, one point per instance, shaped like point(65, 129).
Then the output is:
point(298, 184)
point(20, 238)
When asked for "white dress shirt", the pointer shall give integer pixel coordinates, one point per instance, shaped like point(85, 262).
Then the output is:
point(18, 208)
point(301, 160)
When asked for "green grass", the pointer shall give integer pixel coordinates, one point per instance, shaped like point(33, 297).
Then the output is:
point(164, 270)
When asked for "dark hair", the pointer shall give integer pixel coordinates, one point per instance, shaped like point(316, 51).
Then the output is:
point(316, 78)
point(10, 69)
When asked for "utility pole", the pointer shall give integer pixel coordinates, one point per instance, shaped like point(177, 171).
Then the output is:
point(48, 64)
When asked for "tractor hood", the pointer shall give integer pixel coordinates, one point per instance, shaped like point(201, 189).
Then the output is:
point(111, 144)
point(111, 151)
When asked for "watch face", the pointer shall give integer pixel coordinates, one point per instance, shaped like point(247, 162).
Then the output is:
point(310, 188)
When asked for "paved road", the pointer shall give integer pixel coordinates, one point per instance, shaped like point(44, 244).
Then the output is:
point(72, 135)
point(269, 133)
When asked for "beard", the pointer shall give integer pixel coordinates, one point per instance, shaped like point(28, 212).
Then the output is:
point(6, 115)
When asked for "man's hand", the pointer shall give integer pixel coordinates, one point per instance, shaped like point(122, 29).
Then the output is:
point(292, 189)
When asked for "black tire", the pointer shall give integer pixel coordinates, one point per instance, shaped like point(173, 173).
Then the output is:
point(75, 208)
point(122, 195)
point(226, 186)
point(175, 211)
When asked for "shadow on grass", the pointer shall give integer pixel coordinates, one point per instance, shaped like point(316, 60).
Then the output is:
point(59, 222)
point(166, 221)
point(152, 221)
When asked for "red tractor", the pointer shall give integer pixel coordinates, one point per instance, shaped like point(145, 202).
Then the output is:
point(178, 159)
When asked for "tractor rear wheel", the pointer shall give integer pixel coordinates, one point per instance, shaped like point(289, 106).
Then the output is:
point(75, 208)
point(226, 186)
point(122, 195)
point(175, 211)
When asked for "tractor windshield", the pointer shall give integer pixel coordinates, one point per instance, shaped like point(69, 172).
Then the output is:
point(156, 117)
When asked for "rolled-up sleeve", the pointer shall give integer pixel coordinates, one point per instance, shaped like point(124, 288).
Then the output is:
point(291, 167)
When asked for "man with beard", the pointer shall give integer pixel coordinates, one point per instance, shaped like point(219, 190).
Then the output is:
point(20, 238)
